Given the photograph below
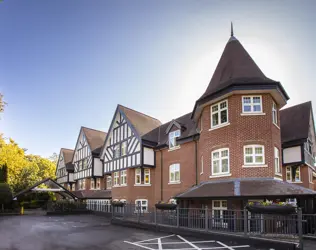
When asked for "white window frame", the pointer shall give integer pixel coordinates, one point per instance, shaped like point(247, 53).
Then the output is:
point(219, 222)
point(289, 170)
point(123, 177)
point(124, 148)
point(254, 163)
point(117, 151)
point(173, 137)
point(138, 173)
point(202, 165)
point(116, 179)
point(109, 182)
point(147, 174)
point(277, 165)
point(173, 169)
point(82, 184)
point(274, 114)
point(219, 109)
point(142, 201)
point(310, 175)
point(220, 159)
point(98, 183)
point(251, 104)
point(92, 181)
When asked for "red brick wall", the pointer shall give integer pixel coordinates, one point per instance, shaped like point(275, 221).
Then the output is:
point(243, 130)
point(185, 156)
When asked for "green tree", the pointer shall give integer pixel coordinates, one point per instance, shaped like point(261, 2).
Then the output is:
point(5, 195)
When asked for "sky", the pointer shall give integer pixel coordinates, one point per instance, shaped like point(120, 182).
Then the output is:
point(67, 64)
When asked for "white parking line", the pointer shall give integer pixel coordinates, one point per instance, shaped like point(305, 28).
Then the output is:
point(179, 242)
point(135, 244)
point(156, 238)
point(191, 244)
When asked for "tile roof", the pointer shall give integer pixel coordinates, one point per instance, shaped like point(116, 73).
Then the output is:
point(93, 194)
point(159, 136)
point(68, 154)
point(294, 122)
point(141, 122)
point(247, 187)
point(95, 138)
point(235, 67)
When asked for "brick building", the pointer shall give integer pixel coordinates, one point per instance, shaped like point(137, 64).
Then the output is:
point(235, 146)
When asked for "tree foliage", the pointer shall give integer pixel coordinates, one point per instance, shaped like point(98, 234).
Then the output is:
point(5, 194)
point(23, 170)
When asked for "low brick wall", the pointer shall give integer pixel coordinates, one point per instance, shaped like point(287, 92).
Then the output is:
point(253, 241)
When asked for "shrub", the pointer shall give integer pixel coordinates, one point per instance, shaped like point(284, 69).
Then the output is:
point(5, 195)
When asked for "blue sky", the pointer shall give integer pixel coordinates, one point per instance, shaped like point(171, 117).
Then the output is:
point(64, 64)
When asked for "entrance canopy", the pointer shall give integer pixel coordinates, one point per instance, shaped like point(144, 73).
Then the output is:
point(52, 186)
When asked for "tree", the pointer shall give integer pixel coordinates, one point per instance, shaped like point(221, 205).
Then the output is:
point(54, 158)
point(5, 195)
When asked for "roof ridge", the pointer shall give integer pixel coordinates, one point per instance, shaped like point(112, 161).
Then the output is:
point(67, 149)
point(139, 112)
point(296, 105)
point(175, 119)
point(94, 129)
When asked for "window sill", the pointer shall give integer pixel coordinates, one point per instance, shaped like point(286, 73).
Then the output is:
point(278, 178)
point(142, 185)
point(255, 166)
point(278, 174)
point(276, 125)
point(295, 182)
point(172, 183)
point(219, 126)
point(252, 113)
point(174, 148)
point(219, 175)
point(116, 186)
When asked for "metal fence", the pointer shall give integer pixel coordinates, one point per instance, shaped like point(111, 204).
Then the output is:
point(241, 222)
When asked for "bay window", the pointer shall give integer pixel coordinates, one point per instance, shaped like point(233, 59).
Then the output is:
point(274, 114)
point(277, 167)
point(220, 161)
point(254, 155)
point(219, 114)
point(252, 104)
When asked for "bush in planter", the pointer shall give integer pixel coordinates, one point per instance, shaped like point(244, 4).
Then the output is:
point(268, 207)
point(166, 206)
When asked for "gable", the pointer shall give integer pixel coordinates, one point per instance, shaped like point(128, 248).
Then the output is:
point(82, 149)
point(60, 162)
point(121, 134)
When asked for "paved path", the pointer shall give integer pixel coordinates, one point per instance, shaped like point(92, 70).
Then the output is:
point(85, 232)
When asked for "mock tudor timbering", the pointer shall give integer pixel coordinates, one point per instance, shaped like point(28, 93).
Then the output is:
point(234, 146)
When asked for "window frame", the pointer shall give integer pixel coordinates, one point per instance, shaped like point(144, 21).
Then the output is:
point(98, 183)
point(92, 181)
point(108, 180)
point(138, 174)
point(202, 165)
point(116, 179)
point(277, 165)
point(219, 109)
point(123, 178)
point(254, 163)
point(123, 146)
point(174, 173)
point(289, 170)
point(274, 114)
point(141, 202)
point(310, 175)
point(251, 104)
point(148, 174)
point(172, 135)
point(220, 150)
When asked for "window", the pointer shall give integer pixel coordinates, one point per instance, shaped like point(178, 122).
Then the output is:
point(147, 176)
point(116, 178)
point(219, 114)
point(141, 205)
point(116, 151)
point(310, 175)
point(82, 184)
point(220, 214)
point(274, 114)
point(220, 161)
point(92, 184)
point(289, 174)
point(109, 182)
point(277, 166)
point(138, 176)
point(251, 104)
point(80, 165)
point(173, 138)
point(174, 173)
point(98, 184)
point(85, 163)
point(123, 148)
point(309, 146)
point(202, 167)
point(123, 177)
point(253, 154)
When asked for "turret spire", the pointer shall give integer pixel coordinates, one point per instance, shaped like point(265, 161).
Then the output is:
point(231, 29)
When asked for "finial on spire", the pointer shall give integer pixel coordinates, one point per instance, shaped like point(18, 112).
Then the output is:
point(231, 29)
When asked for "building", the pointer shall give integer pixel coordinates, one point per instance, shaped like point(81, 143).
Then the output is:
point(65, 169)
point(88, 169)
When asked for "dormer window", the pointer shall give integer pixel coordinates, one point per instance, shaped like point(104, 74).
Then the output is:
point(173, 138)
